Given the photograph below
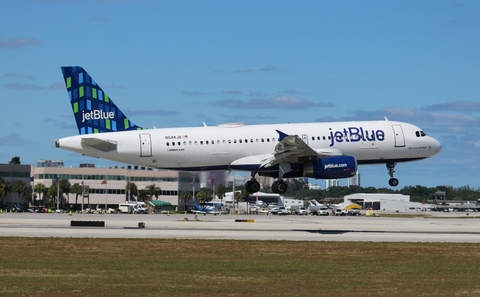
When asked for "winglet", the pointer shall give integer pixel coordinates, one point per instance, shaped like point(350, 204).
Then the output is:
point(94, 111)
point(281, 135)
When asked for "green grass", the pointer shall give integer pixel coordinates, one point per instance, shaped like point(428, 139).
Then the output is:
point(158, 267)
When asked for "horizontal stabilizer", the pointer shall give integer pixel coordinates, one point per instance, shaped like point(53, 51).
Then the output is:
point(100, 144)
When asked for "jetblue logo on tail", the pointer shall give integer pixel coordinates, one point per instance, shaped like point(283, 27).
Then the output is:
point(97, 115)
point(94, 111)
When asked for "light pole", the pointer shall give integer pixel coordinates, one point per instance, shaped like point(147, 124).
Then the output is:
point(83, 186)
point(106, 190)
point(58, 188)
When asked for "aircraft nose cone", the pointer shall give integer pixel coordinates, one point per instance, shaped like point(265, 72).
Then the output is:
point(436, 146)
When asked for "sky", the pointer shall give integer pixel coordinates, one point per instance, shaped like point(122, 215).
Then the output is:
point(185, 63)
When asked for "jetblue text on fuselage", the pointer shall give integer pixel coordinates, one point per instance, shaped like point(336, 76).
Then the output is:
point(97, 115)
point(355, 134)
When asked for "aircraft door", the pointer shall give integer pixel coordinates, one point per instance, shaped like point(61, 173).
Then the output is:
point(399, 137)
point(145, 145)
point(305, 138)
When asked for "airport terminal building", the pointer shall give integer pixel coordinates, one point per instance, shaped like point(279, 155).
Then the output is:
point(103, 187)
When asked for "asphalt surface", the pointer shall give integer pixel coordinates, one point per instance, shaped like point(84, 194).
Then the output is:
point(457, 227)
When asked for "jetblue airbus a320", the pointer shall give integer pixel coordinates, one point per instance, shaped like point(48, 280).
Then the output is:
point(318, 150)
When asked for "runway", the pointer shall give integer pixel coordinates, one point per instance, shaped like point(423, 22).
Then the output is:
point(448, 228)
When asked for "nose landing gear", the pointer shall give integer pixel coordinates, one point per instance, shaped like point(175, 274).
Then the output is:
point(393, 182)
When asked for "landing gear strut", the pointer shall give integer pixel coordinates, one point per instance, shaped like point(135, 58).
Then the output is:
point(279, 187)
point(393, 182)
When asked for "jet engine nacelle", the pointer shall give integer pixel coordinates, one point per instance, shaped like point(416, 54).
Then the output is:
point(331, 167)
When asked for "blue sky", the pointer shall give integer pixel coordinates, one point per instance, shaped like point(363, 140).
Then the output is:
point(182, 63)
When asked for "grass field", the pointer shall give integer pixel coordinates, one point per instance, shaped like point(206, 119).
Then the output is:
point(158, 267)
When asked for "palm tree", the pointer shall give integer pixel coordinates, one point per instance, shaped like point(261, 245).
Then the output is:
point(65, 189)
point(4, 189)
point(29, 196)
point(52, 193)
point(238, 197)
point(77, 190)
point(185, 195)
point(205, 195)
point(132, 190)
point(41, 190)
point(143, 195)
point(20, 187)
point(152, 190)
point(220, 191)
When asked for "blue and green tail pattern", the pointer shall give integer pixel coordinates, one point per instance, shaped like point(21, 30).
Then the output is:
point(94, 111)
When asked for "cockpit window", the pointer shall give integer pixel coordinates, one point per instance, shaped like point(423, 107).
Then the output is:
point(420, 133)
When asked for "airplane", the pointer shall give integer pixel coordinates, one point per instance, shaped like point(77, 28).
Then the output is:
point(205, 210)
point(322, 150)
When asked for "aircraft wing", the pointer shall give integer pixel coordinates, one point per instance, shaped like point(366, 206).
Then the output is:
point(292, 149)
point(197, 211)
point(99, 144)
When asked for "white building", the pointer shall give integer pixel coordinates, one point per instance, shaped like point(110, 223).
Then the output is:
point(331, 183)
point(384, 202)
point(354, 180)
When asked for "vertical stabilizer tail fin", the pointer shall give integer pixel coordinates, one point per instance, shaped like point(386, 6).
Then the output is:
point(94, 111)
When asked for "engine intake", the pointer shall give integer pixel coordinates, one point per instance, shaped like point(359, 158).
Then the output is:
point(331, 167)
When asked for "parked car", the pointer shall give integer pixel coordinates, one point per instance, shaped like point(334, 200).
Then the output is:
point(274, 210)
point(13, 208)
point(283, 211)
point(302, 211)
point(321, 211)
point(38, 209)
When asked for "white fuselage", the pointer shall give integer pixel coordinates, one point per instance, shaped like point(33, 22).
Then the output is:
point(217, 147)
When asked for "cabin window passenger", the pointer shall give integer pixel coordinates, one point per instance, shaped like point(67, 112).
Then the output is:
point(168, 144)
point(196, 142)
point(251, 140)
point(224, 141)
point(213, 141)
point(184, 143)
point(179, 143)
point(239, 141)
point(201, 141)
point(190, 143)
point(173, 143)
point(206, 142)
point(229, 141)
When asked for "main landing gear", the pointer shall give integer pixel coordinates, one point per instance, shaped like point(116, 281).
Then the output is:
point(253, 186)
point(393, 182)
point(279, 187)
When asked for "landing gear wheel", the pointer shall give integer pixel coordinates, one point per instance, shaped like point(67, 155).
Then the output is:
point(252, 186)
point(393, 182)
point(279, 187)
